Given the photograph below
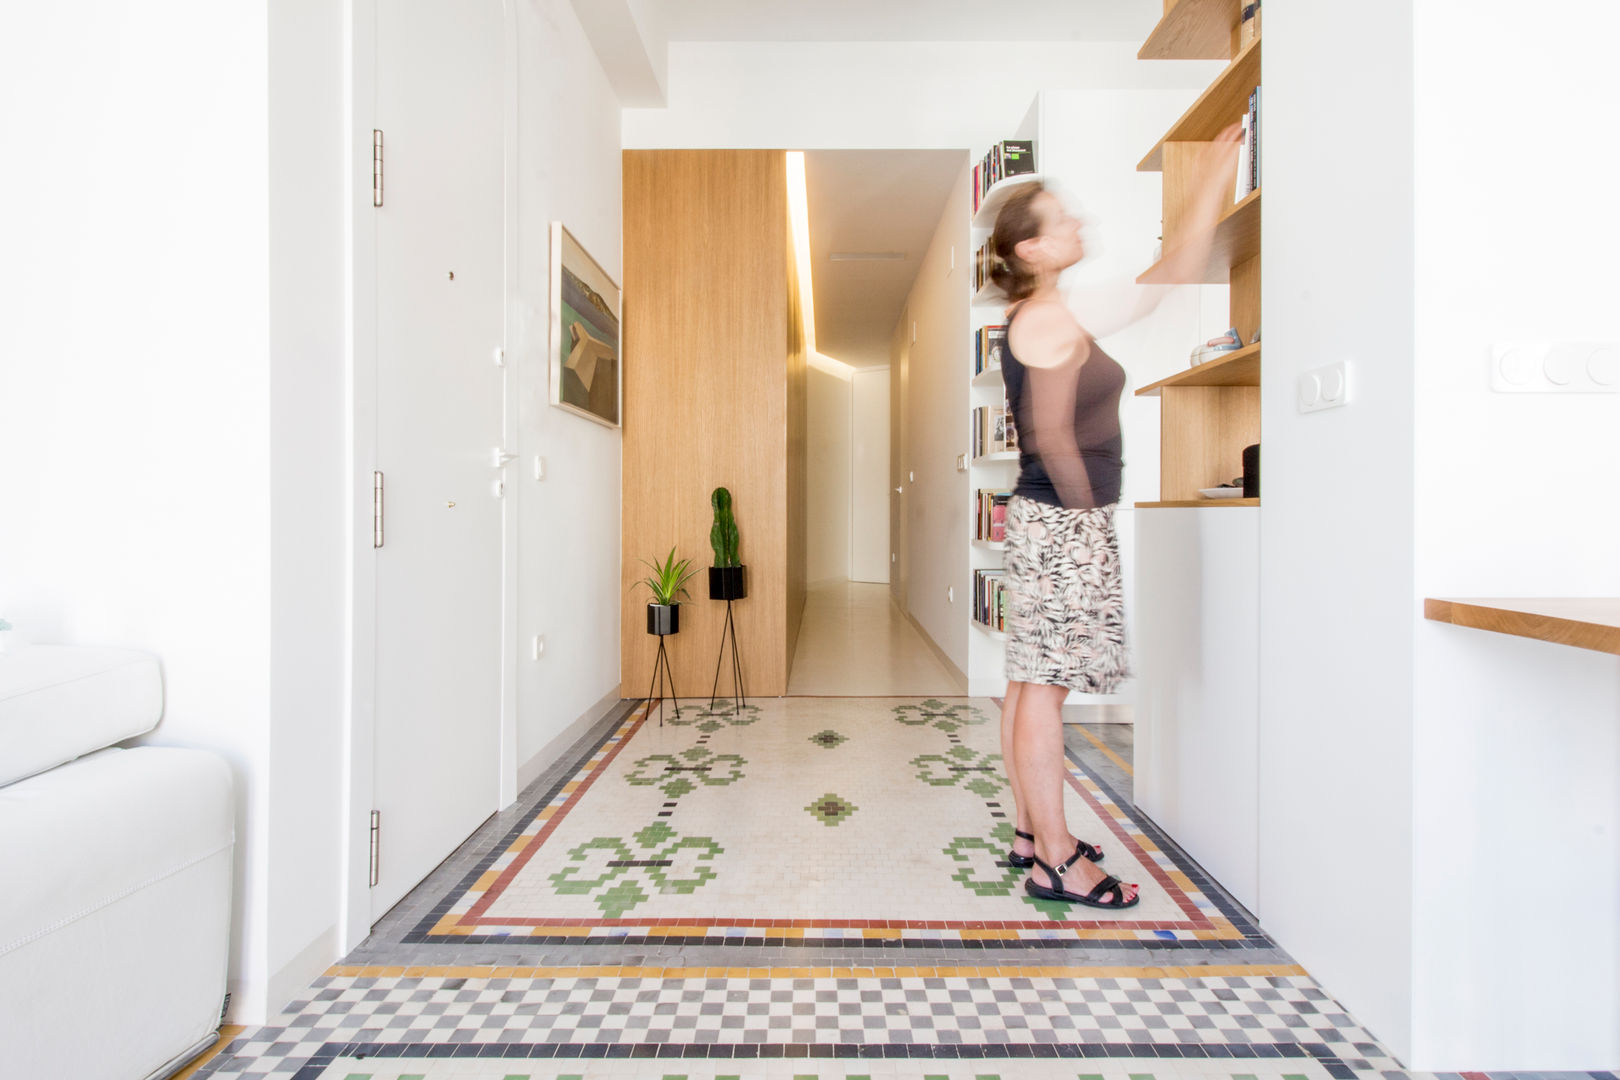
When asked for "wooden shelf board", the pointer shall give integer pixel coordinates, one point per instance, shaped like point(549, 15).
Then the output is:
point(1237, 240)
point(1196, 504)
point(992, 377)
point(1240, 367)
point(1222, 103)
point(1582, 623)
point(1000, 455)
point(985, 216)
point(1193, 30)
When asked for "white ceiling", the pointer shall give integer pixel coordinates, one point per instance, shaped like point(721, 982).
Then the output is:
point(908, 20)
point(888, 201)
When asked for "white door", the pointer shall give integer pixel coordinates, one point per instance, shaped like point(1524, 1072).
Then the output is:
point(440, 291)
point(869, 477)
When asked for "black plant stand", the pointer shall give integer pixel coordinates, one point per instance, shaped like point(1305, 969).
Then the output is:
point(729, 634)
point(661, 671)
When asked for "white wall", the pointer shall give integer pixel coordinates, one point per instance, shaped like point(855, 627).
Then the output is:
point(568, 571)
point(309, 490)
point(935, 502)
point(869, 476)
point(1516, 746)
point(887, 94)
point(1336, 586)
point(827, 481)
point(174, 379)
point(135, 378)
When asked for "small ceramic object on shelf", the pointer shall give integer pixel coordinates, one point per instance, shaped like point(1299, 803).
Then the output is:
point(1212, 348)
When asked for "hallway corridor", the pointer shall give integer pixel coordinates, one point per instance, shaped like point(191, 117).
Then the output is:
point(807, 889)
point(854, 642)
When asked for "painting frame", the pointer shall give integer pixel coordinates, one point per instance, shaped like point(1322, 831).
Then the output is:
point(586, 333)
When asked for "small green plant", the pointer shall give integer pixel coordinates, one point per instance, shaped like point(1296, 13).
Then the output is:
point(668, 579)
point(723, 534)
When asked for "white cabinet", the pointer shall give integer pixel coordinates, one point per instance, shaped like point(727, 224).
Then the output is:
point(1198, 676)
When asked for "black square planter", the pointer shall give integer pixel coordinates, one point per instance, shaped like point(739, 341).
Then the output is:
point(663, 619)
point(728, 583)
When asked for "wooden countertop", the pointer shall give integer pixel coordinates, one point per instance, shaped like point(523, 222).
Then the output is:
point(1585, 622)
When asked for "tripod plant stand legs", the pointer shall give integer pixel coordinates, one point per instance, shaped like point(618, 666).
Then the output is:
point(729, 633)
point(661, 671)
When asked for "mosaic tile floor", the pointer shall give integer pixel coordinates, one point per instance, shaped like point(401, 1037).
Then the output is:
point(807, 888)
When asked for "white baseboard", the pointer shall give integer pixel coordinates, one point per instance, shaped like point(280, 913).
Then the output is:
point(542, 759)
point(302, 970)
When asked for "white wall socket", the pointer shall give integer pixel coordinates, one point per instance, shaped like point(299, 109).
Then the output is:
point(1324, 388)
point(539, 646)
point(539, 468)
point(950, 594)
point(1555, 367)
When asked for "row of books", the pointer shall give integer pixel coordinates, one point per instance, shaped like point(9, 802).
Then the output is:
point(988, 343)
point(1010, 157)
point(990, 599)
point(983, 263)
point(993, 430)
point(1248, 174)
point(990, 514)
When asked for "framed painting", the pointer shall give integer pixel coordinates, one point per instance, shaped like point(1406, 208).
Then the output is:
point(586, 376)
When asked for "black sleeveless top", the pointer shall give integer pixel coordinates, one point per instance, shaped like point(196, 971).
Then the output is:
point(1096, 426)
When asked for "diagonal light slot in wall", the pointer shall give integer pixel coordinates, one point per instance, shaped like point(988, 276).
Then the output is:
point(798, 194)
point(799, 215)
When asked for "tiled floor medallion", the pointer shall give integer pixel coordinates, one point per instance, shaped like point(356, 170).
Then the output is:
point(718, 827)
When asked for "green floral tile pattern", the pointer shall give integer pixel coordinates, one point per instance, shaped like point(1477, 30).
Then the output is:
point(938, 714)
point(619, 877)
point(830, 809)
point(829, 739)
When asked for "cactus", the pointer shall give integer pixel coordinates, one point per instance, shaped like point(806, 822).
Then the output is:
point(723, 535)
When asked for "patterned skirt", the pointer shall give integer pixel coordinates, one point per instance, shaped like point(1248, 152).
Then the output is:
point(1066, 598)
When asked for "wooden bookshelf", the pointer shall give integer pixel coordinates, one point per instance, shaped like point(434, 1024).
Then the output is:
point(1194, 30)
point(1237, 240)
point(1240, 367)
point(1223, 103)
point(1209, 413)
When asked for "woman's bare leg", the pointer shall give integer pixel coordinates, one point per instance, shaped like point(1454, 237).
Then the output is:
point(1037, 747)
point(1009, 709)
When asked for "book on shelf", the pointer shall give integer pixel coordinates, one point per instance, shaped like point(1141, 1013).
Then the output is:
point(989, 344)
point(1249, 26)
point(1248, 173)
point(983, 263)
point(990, 514)
point(990, 599)
point(1010, 157)
point(993, 430)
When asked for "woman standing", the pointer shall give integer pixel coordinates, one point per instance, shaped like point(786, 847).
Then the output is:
point(1066, 618)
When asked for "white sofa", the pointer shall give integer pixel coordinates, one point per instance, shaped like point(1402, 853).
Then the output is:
point(115, 873)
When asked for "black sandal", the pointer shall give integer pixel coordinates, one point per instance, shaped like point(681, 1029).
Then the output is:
point(1092, 899)
point(1024, 862)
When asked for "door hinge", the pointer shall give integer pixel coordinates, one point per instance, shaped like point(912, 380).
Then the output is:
point(375, 858)
point(377, 509)
point(376, 168)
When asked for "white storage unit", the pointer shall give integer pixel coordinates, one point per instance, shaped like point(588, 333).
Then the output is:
point(1198, 696)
